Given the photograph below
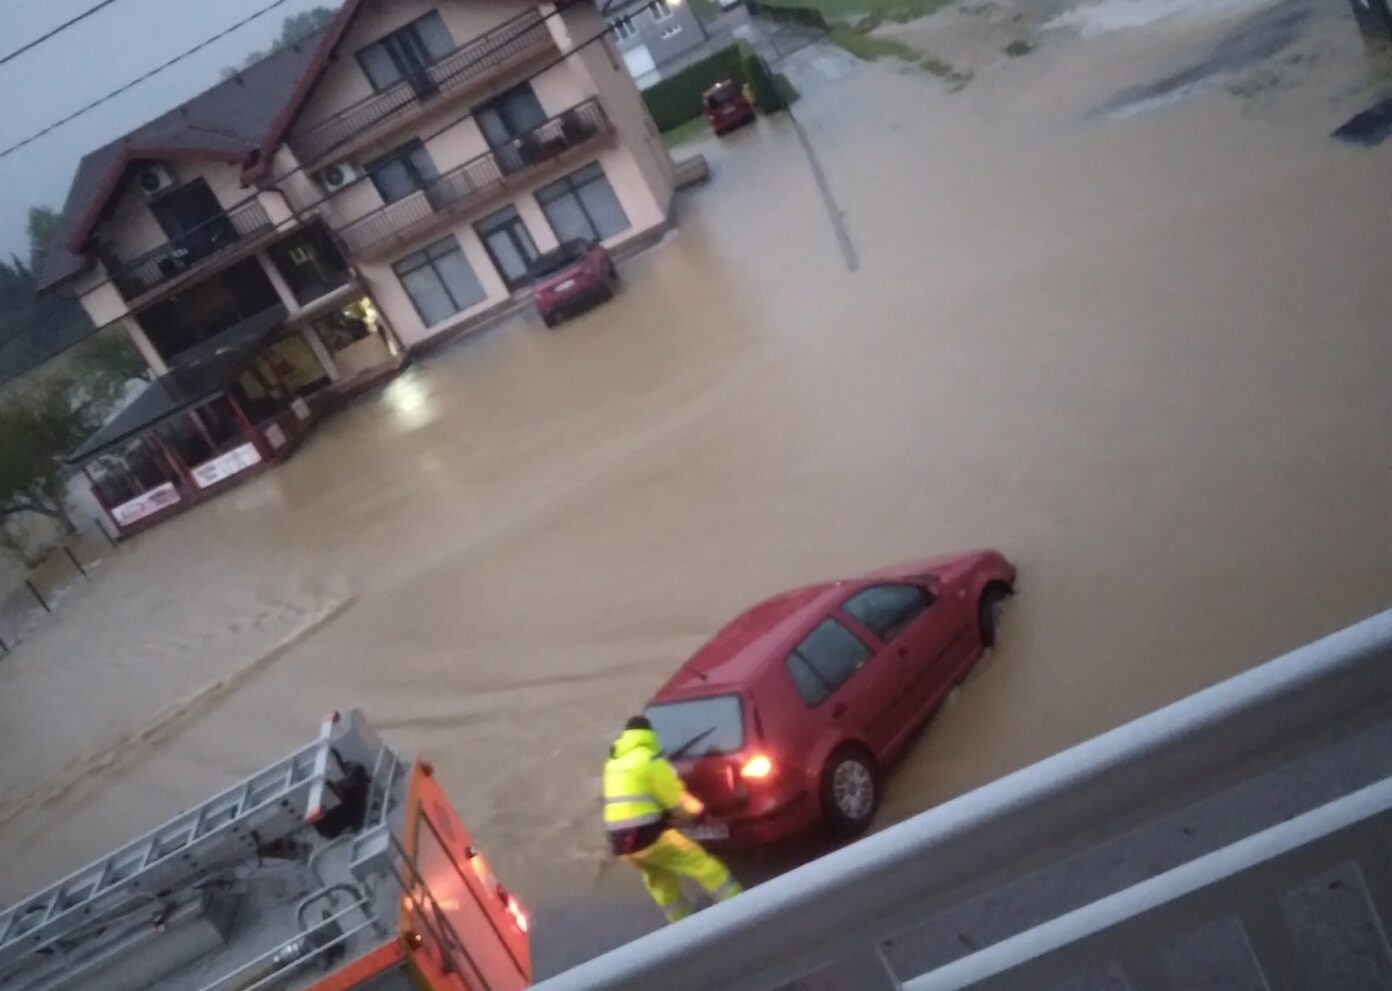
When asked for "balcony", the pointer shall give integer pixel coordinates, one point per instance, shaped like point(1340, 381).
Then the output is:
point(174, 258)
point(480, 179)
point(470, 63)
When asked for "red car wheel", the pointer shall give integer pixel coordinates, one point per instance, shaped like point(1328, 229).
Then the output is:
point(850, 791)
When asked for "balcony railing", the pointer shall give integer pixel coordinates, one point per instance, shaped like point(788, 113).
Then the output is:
point(173, 258)
point(1237, 838)
point(479, 178)
point(503, 44)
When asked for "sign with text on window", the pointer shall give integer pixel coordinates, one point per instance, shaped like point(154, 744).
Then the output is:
point(226, 465)
point(145, 504)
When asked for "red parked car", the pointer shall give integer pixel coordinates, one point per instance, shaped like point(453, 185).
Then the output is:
point(572, 278)
point(726, 107)
point(791, 713)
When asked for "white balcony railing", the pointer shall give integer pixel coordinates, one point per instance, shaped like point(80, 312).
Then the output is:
point(1087, 869)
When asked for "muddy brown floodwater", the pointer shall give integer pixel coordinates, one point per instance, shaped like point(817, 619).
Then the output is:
point(1147, 356)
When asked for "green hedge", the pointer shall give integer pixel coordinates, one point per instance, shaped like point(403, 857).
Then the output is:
point(767, 98)
point(677, 99)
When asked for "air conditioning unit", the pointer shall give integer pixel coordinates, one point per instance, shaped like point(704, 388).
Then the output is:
point(335, 177)
point(154, 178)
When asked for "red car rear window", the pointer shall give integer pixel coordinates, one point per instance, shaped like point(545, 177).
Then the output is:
point(699, 727)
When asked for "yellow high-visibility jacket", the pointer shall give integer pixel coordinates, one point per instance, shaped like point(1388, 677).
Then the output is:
point(641, 788)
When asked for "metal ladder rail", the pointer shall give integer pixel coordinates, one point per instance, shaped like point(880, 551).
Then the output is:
point(268, 805)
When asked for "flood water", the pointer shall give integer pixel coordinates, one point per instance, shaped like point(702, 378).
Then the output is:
point(1148, 358)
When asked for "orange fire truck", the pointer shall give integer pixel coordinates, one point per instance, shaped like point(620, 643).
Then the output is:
point(337, 868)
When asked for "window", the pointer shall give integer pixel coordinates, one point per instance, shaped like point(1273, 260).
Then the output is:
point(887, 610)
point(510, 115)
point(509, 244)
point(825, 660)
point(195, 222)
point(706, 726)
point(661, 10)
point(406, 52)
point(671, 31)
point(310, 263)
point(583, 206)
point(402, 171)
point(506, 118)
point(439, 281)
point(623, 28)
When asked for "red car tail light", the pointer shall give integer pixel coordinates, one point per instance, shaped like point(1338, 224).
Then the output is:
point(757, 768)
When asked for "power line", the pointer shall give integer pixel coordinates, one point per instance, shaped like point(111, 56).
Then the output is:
point(296, 213)
point(55, 31)
point(141, 78)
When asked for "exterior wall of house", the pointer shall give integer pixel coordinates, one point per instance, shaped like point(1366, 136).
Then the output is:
point(624, 176)
point(603, 66)
point(637, 166)
point(635, 163)
point(557, 89)
point(665, 39)
point(345, 83)
point(131, 229)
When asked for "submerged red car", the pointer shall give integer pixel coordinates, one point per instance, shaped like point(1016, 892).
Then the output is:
point(572, 278)
point(790, 715)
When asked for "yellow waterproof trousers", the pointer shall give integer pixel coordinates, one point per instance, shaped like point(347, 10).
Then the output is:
point(674, 857)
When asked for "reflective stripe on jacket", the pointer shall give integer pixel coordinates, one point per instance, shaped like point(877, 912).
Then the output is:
point(640, 786)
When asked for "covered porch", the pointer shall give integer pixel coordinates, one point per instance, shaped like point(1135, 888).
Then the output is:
point(233, 405)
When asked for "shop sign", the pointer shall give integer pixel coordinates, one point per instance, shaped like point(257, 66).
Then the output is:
point(226, 465)
point(145, 504)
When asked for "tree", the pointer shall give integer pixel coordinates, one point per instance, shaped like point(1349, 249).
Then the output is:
point(34, 328)
point(43, 224)
point(37, 430)
point(294, 28)
point(103, 369)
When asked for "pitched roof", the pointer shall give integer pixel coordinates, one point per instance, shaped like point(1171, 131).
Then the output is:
point(233, 122)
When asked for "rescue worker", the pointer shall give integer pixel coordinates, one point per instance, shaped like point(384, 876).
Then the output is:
point(643, 799)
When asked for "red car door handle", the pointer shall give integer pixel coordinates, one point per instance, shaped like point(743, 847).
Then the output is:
point(838, 710)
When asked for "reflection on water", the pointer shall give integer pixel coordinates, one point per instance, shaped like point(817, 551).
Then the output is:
point(1148, 360)
point(409, 400)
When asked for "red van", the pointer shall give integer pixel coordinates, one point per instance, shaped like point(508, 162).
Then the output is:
point(726, 106)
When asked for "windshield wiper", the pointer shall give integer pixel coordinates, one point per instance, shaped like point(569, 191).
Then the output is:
point(681, 751)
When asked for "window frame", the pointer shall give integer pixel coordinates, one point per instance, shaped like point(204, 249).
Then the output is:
point(667, 8)
point(572, 188)
point(403, 154)
point(389, 43)
point(429, 262)
point(895, 632)
point(798, 656)
point(624, 28)
point(507, 220)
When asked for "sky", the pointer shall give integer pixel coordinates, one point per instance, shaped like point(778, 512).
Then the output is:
point(101, 53)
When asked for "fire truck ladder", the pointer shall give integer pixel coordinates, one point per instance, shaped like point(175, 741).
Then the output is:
point(240, 822)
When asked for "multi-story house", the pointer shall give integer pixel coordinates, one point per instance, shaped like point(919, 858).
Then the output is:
point(290, 234)
point(654, 36)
